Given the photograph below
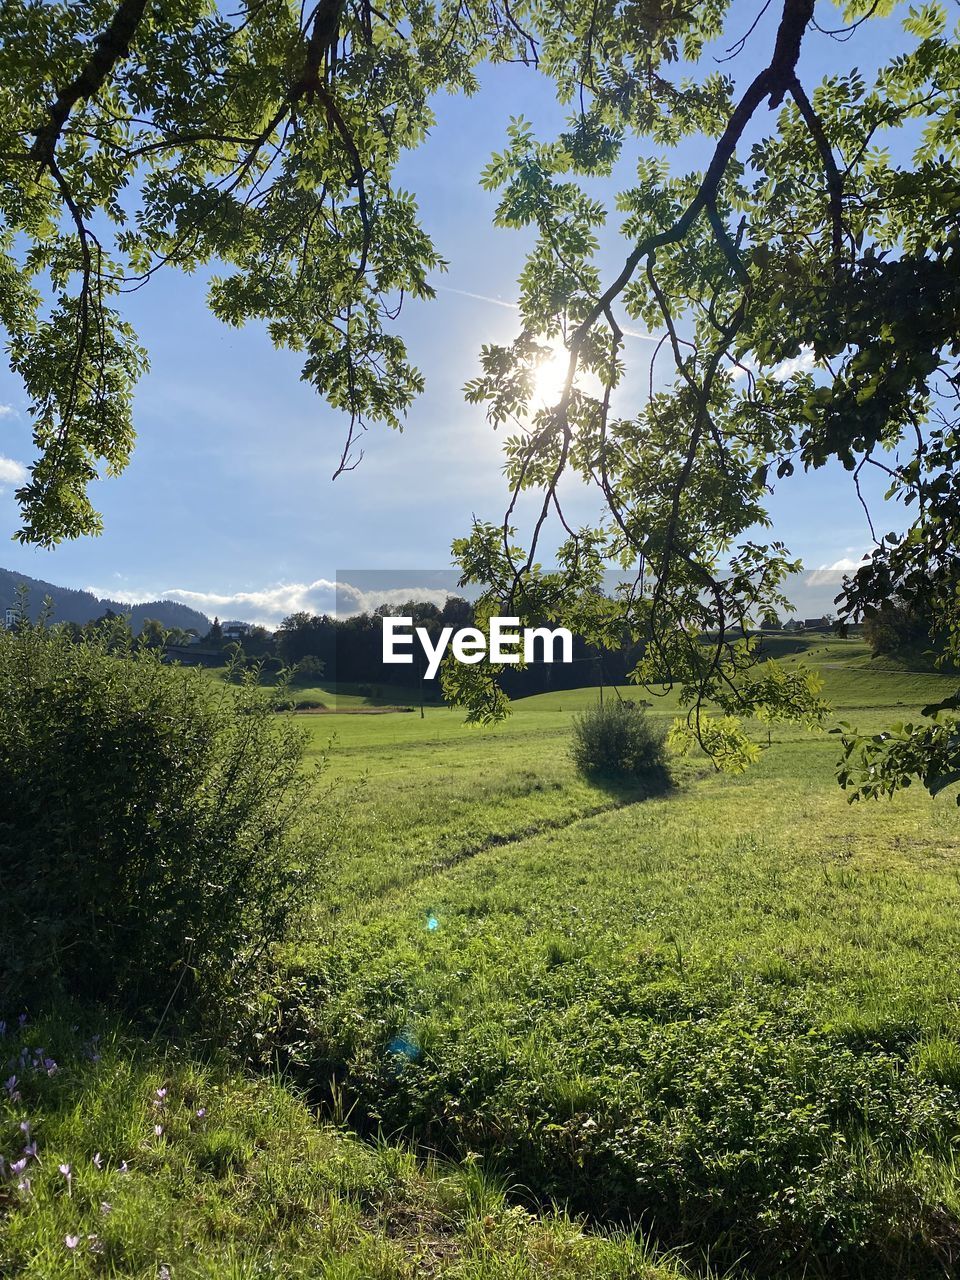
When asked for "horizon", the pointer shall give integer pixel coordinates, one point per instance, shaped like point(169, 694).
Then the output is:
point(358, 591)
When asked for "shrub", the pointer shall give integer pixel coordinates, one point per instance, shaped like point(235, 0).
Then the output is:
point(157, 837)
point(616, 739)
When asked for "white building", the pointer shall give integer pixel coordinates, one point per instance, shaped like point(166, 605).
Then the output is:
point(235, 630)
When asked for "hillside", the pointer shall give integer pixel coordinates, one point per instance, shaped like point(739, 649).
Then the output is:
point(84, 606)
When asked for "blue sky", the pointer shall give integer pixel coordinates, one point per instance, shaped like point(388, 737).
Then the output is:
point(228, 502)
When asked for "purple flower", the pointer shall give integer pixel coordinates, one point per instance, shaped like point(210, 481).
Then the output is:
point(71, 1241)
point(50, 1066)
point(124, 1167)
point(3, 1028)
point(22, 1020)
point(31, 1150)
point(18, 1166)
point(98, 1161)
point(201, 1112)
point(24, 1186)
point(161, 1094)
point(65, 1170)
point(10, 1084)
point(25, 1127)
point(158, 1129)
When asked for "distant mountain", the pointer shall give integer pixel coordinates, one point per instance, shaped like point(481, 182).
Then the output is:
point(84, 606)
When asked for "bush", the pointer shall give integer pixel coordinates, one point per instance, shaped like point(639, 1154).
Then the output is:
point(157, 837)
point(615, 739)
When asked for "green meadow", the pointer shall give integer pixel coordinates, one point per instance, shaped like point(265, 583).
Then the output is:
point(542, 1027)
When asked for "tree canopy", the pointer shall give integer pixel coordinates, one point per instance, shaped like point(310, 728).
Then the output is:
point(803, 283)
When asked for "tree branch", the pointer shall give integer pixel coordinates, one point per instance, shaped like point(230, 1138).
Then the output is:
point(109, 48)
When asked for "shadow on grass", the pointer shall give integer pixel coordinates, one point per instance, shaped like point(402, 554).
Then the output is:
point(631, 788)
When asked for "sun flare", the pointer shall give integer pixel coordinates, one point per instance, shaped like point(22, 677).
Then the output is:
point(550, 377)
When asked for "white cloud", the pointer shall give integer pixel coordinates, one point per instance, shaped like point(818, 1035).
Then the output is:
point(11, 472)
point(832, 573)
point(271, 605)
point(802, 363)
point(7, 410)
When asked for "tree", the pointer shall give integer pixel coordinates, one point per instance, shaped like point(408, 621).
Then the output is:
point(802, 286)
point(260, 136)
point(896, 629)
point(805, 284)
point(153, 634)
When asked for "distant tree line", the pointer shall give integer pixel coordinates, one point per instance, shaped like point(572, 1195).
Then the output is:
point(349, 650)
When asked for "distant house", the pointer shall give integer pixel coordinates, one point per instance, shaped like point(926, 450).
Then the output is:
point(816, 624)
point(236, 630)
point(10, 618)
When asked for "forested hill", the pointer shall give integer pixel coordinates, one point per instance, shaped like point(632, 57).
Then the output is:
point(84, 606)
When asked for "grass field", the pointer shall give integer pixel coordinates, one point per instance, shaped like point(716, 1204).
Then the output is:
point(726, 1014)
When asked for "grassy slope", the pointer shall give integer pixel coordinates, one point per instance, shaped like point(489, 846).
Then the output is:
point(347, 697)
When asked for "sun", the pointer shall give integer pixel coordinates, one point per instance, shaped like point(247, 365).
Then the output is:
point(550, 377)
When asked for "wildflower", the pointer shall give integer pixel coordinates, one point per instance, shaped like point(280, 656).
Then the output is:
point(164, 1273)
point(3, 1027)
point(161, 1094)
point(65, 1170)
point(124, 1167)
point(24, 1186)
point(22, 1020)
point(158, 1129)
point(50, 1066)
point(94, 1242)
point(31, 1150)
point(98, 1161)
point(25, 1127)
point(68, 1174)
point(10, 1084)
point(106, 1207)
point(201, 1112)
point(71, 1241)
point(18, 1166)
